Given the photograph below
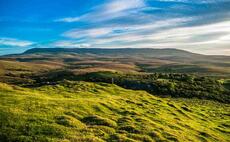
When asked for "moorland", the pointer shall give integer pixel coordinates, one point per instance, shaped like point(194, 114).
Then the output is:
point(59, 94)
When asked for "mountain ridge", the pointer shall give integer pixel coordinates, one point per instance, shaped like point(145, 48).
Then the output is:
point(107, 51)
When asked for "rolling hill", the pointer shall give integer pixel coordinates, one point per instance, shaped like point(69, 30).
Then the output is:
point(131, 95)
point(83, 111)
point(125, 60)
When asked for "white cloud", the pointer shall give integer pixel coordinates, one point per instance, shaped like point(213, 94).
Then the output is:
point(107, 11)
point(124, 24)
point(68, 19)
point(173, 0)
point(121, 31)
point(194, 1)
point(71, 44)
point(15, 42)
point(95, 32)
point(172, 34)
point(122, 5)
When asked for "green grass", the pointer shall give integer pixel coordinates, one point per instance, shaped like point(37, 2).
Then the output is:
point(82, 111)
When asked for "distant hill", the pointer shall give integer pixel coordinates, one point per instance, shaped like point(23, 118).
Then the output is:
point(168, 53)
point(145, 52)
point(125, 60)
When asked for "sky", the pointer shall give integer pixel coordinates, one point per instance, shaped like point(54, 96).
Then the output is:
point(200, 26)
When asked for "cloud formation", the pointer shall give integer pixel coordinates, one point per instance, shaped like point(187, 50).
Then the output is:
point(14, 42)
point(183, 24)
point(196, 25)
point(70, 44)
point(107, 11)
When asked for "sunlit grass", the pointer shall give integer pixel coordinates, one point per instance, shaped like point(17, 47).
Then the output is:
point(82, 111)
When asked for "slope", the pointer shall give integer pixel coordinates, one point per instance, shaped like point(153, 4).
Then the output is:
point(83, 111)
point(126, 60)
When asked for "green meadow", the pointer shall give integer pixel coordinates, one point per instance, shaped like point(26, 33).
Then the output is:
point(78, 111)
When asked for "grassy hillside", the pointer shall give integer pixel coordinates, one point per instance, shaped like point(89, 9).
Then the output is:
point(41, 105)
point(82, 111)
point(161, 84)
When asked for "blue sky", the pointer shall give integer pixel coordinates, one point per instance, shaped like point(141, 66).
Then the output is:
point(200, 26)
